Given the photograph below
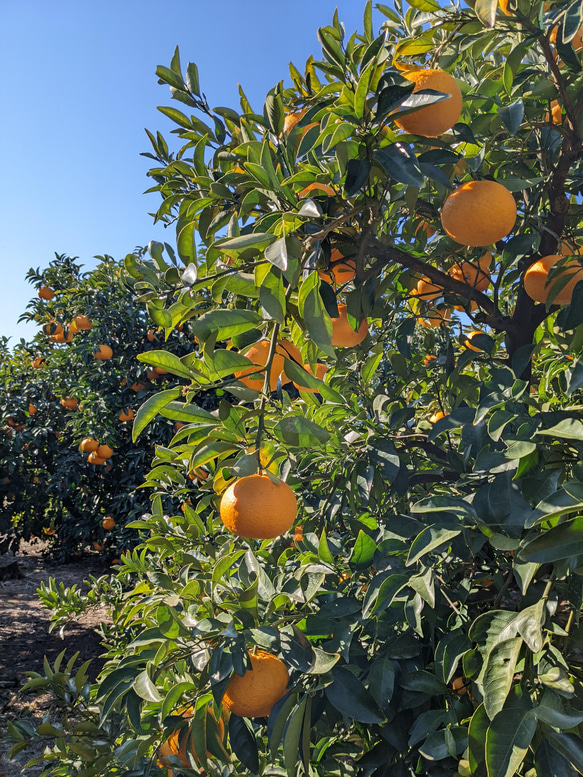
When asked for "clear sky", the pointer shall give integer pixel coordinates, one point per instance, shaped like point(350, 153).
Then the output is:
point(78, 88)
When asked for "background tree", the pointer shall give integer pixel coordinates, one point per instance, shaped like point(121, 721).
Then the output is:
point(425, 600)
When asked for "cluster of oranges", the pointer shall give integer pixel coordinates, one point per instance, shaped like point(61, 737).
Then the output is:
point(98, 454)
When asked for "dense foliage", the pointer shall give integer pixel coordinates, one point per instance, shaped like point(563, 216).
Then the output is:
point(427, 601)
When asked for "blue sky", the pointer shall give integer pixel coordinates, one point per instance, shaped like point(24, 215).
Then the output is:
point(77, 91)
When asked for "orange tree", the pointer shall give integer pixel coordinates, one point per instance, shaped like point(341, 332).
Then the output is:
point(59, 403)
point(376, 569)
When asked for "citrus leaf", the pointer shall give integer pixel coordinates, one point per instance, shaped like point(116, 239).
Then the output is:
point(150, 409)
point(507, 741)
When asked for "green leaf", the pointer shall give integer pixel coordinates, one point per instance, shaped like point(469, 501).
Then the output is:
point(276, 253)
point(548, 762)
point(225, 323)
point(235, 245)
point(271, 292)
point(349, 696)
point(314, 314)
point(174, 695)
point(187, 413)
point(427, 6)
point(303, 378)
point(499, 673)
point(477, 731)
point(243, 743)
point(423, 682)
point(569, 746)
point(512, 116)
point(507, 741)
point(166, 360)
point(145, 688)
point(151, 408)
point(486, 11)
point(363, 552)
point(323, 549)
point(300, 432)
point(291, 739)
point(562, 541)
point(564, 719)
point(388, 590)
point(429, 539)
point(569, 429)
point(400, 163)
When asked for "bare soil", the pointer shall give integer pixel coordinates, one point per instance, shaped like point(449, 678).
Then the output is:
point(25, 640)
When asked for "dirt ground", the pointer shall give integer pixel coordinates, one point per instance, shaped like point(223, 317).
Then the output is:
point(25, 640)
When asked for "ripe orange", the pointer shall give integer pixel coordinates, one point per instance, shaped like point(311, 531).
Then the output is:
point(103, 353)
point(98, 546)
point(93, 458)
point(88, 445)
point(321, 370)
point(475, 275)
point(151, 334)
point(104, 452)
point(38, 362)
point(46, 293)
point(108, 523)
point(427, 290)
point(568, 248)
point(468, 341)
point(138, 387)
point(127, 414)
point(151, 374)
point(503, 4)
point(436, 417)
point(31, 409)
point(257, 508)
point(343, 335)
point(428, 359)
point(425, 226)
point(160, 371)
point(48, 531)
point(433, 120)
point(70, 403)
point(81, 322)
point(258, 354)
point(53, 328)
point(556, 113)
point(436, 317)
point(536, 279)
point(61, 337)
point(179, 742)
point(479, 213)
point(341, 270)
point(254, 694)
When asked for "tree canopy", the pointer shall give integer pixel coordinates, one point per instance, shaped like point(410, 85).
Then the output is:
point(377, 315)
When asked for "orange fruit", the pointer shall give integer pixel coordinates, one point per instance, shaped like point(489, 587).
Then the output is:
point(568, 248)
point(343, 335)
point(127, 414)
point(321, 370)
point(291, 119)
point(258, 354)
point(160, 371)
point(427, 290)
point(460, 684)
point(98, 546)
point(104, 452)
point(258, 508)
point(556, 113)
point(436, 317)
point(138, 387)
point(151, 334)
point(151, 374)
point(88, 445)
point(108, 523)
point(340, 271)
point(468, 341)
point(53, 328)
point(103, 353)
point(198, 473)
point(436, 417)
point(93, 458)
point(254, 694)
point(433, 120)
point(475, 275)
point(179, 741)
point(503, 4)
point(45, 293)
point(38, 362)
point(81, 322)
point(31, 409)
point(577, 41)
point(70, 403)
point(536, 279)
point(479, 213)
point(428, 359)
point(61, 337)
point(425, 226)
point(48, 531)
